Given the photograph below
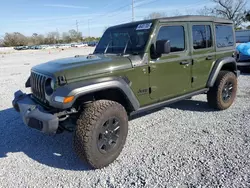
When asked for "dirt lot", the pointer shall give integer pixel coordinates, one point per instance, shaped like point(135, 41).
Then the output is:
point(182, 145)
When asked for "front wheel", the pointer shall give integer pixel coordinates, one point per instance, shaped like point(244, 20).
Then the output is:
point(221, 96)
point(101, 132)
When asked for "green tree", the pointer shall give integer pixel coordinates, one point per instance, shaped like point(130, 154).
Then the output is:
point(66, 37)
point(15, 39)
point(52, 38)
point(234, 10)
point(36, 39)
point(155, 15)
point(1, 42)
point(75, 36)
point(238, 28)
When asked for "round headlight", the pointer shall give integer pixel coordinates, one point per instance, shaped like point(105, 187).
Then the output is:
point(49, 86)
point(52, 84)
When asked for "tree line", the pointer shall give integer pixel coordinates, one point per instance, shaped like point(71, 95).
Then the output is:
point(234, 10)
point(18, 39)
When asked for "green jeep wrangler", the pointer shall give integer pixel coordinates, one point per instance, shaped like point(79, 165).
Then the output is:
point(135, 67)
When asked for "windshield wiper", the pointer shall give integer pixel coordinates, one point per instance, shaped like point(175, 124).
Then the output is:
point(126, 46)
point(106, 49)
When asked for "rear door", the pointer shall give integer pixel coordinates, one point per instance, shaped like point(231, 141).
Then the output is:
point(203, 52)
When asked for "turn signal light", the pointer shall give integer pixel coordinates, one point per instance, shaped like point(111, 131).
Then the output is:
point(68, 99)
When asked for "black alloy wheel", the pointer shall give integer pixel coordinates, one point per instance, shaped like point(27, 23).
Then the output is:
point(227, 91)
point(109, 135)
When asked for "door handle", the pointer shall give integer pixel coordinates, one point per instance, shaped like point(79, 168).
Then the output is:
point(209, 57)
point(185, 63)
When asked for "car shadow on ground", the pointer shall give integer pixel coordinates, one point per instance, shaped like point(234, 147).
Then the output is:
point(185, 105)
point(192, 105)
point(54, 151)
point(244, 71)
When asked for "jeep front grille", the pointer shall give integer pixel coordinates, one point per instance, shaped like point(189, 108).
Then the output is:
point(37, 82)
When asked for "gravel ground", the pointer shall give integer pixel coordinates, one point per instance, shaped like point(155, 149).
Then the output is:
point(182, 145)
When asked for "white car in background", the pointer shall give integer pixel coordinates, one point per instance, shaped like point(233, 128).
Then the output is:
point(79, 45)
point(51, 47)
point(63, 46)
point(48, 46)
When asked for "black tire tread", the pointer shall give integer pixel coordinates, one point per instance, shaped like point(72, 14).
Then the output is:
point(85, 123)
point(213, 97)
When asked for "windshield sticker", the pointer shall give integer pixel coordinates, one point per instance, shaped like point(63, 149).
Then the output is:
point(144, 26)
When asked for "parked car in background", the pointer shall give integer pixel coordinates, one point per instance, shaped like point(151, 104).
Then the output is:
point(44, 46)
point(242, 36)
point(63, 46)
point(92, 43)
point(32, 47)
point(21, 48)
point(79, 45)
point(52, 46)
point(38, 47)
point(243, 61)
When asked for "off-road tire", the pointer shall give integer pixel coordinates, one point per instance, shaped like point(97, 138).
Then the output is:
point(214, 95)
point(90, 122)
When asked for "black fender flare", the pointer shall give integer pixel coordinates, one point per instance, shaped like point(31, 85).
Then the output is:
point(217, 68)
point(82, 88)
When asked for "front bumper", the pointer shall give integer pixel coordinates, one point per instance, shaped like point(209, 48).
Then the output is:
point(34, 115)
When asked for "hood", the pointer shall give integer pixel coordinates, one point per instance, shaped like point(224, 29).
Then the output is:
point(81, 66)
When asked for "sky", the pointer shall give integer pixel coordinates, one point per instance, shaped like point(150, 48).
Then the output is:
point(92, 16)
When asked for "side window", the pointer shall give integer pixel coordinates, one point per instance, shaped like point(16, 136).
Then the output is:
point(224, 36)
point(176, 36)
point(202, 37)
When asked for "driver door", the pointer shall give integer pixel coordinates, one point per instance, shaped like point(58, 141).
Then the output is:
point(170, 74)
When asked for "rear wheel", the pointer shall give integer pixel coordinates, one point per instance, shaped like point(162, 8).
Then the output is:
point(221, 96)
point(101, 132)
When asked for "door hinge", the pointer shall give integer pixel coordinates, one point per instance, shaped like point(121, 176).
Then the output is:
point(149, 69)
point(150, 90)
point(192, 62)
point(192, 79)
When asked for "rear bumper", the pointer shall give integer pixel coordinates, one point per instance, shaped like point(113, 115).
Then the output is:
point(237, 73)
point(34, 115)
point(243, 63)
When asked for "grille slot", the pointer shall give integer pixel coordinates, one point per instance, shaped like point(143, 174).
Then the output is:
point(37, 82)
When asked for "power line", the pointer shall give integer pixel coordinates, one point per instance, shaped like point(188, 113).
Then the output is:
point(111, 12)
point(118, 11)
point(88, 28)
point(146, 3)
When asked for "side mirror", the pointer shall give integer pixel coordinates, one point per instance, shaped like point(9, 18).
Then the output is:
point(163, 47)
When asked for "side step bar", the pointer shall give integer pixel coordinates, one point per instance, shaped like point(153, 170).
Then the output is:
point(167, 102)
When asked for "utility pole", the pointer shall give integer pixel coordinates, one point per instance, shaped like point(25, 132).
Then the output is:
point(133, 13)
point(88, 29)
point(57, 35)
point(77, 26)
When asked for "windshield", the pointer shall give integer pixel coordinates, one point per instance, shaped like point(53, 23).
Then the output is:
point(128, 39)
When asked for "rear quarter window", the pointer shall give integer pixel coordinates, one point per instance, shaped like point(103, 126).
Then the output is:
point(224, 36)
point(202, 37)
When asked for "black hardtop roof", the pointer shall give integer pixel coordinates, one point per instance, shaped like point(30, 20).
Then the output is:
point(196, 19)
point(187, 18)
